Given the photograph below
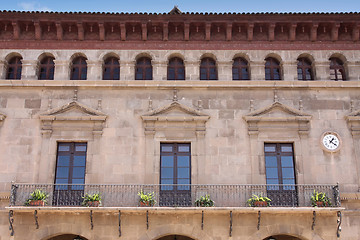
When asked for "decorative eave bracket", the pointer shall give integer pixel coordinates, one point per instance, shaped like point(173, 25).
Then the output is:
point(276, 116)
point(68, 115)
point(353, 120)
point(173, 116)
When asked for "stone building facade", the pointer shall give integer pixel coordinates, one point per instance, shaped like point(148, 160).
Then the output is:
point(181, 105)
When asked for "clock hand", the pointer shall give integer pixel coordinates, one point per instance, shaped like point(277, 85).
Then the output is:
point(331, 141)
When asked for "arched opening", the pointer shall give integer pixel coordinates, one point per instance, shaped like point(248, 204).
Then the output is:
point(68, 237)
point(175, 237)
point(282, 237)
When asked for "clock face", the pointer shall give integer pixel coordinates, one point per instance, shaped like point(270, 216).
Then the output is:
point(331, 141)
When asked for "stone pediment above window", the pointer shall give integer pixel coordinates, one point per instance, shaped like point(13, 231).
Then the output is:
point(175, 117)
point(353, 120)
point(278, 116)
point(73, 116)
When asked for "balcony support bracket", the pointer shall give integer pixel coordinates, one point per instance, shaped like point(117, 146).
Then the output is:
point(36, 219)
point(202, 220)
point(313, 222)
point(11, 221)
point(147, 219)
point(259, 218)
point(339, 220)
point(91, 220)
point(119, 223)
point(231, 223)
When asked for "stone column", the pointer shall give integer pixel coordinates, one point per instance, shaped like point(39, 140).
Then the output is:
point(289, 70)
point(224, 70)
point(62, 70)
point(127, 70)
point(94, 70)
point(29, 69)
point(257, 70)
point(3, 65)
point(159, 70)
point(192, 70)
point(353, 73)
point(322, 70)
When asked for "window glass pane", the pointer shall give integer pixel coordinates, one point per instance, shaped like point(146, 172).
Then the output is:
point(62, 172)
point(78, 187)
point(287, 172)
point(287, 161)
point(63, 148)
point(183, 181)
point(166, 148)
point(272, 172)
point(171, 73)
point(63, 161)
point(184, 148)
point(270, 161)
point(183, 173)
point(289, 181)
point(272, 181)
point(167, 161)
point(61, 187)
point(80, 148)
point(167, 172)
point(148, 73)
point(270, 148)
point(78, 172)
point(183, 161)
point(79, 161)
point(286, 148)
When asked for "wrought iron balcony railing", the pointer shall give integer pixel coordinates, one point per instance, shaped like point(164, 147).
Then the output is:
point(113, 195)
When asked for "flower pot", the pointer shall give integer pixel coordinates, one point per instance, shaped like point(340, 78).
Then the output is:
point(93, 203)
point(321, 204)
point(40, 203)
point(260, 204)
point(145, 204)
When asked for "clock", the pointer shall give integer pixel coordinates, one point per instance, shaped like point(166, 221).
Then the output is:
point(330, 141)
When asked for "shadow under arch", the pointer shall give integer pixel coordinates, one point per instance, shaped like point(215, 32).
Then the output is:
point(175, 237)
point(66, 237)
point(282, 237)
point(188, 231)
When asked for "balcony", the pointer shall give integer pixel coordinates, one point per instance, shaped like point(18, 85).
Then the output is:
point(114, 195)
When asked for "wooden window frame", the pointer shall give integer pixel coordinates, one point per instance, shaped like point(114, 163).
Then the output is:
point(177, 65)
point(239, 64)
point(79, 69)
point(337, 66)
point(272, 64)
point(143, 65)
point(14, 68)
point(47, 68)
point(112, 65)
point(303, 66)
point(208, 64)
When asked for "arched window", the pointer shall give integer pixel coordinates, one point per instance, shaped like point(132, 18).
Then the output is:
point(337, 70)
point(304, 69)
point(208, 69)
point(47, 67)
point(143, 69)
point(272, 69)
point(14, 68)
point(79, 69)
point(176, 69)
point(111, 69)
point(240, 69)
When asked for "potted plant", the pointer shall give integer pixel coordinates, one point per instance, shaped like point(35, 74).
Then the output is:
point(37, 198)
point(146, 199)
point(258, 201)
point(204, 201)
point(92, 200)
point(320, 199)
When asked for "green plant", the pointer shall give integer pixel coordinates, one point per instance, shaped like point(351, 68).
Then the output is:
point(146, 199)
point(37, 195)
point(255, 199)
point(89, 199)
point(204, 201)
point(320, 199)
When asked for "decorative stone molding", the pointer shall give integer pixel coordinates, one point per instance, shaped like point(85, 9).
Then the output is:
point(73, 116)
point(278, 116)
point(353, 120)
point(175, 117)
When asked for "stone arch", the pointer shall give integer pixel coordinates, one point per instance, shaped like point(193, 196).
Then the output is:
point(276, 56)
point(105, 55)
point(46, 54)
point(311, 58)
point(177, 54)
point(209, 55)
point(78, 54)
point(11, 55)
point(342, 58)
point(175, 229)
point(65, 236)
point(174, 236)
point(241, 55)
point(145, 54)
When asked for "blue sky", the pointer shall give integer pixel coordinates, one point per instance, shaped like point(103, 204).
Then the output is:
point(161, 6)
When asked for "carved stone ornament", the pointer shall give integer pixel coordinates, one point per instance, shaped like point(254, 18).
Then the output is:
point(175, 117)
point(2, 118)
point(353, 120)
point(73, 116)
point(278, 117)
